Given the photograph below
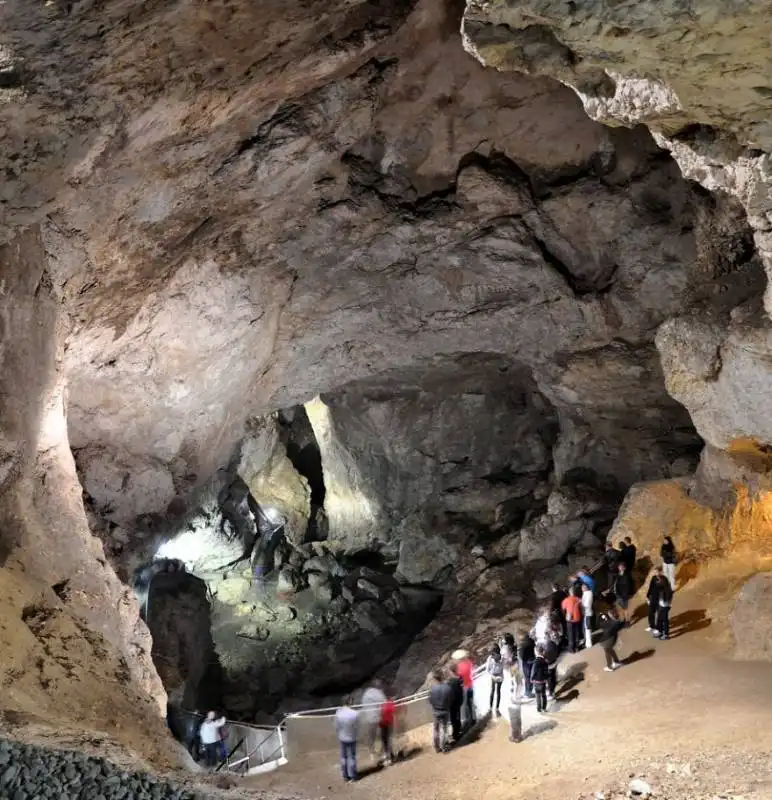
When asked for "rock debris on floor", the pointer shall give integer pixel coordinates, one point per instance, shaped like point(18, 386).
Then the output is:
point(34, 773)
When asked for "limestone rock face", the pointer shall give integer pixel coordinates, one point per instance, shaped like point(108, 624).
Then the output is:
point(749, 619)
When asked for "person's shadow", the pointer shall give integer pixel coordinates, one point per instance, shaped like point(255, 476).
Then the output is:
point(638, 655)
point(539, 727)
point(474, 732)
point(688, 622)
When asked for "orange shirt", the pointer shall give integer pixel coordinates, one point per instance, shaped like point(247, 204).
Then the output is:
point(572, 608)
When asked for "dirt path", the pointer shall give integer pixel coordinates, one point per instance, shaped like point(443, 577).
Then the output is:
point(690, 720)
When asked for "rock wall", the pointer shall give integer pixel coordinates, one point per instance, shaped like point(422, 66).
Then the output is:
point(75, 649)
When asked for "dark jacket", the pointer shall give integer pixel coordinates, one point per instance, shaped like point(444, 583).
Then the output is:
point(667, 551)
point(456, 693)
point(652, 595)
point(552, 652)
point(629, 554)
point(540, 672)
point(612, 558)
point(556, 600)
point(441, 698)
point(665, 591)
point(610, 628)
point(623, 588)
point(526, 649)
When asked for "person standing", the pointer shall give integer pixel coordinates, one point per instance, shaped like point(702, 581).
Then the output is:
point(588, 599)
point(668, 554)
point(551, 653)
point(539, 679)
point(386, 727)
point(192, 727)
point(209, 734)
point(346, 729)
point(440, 699)
point(370, 715)
point(456, 703)
point(572, 611)
point(494, 667)
point(526, 654)
point(652, 598)
point(586, 579)
point(610, 626)
point(623, 588)
point(465, 671)
point(665, 600)
point(629, 554)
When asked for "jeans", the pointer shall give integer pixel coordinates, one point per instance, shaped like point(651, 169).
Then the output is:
point(470, 715)
point(574, 636)
point(663, 620)
point(440, 730)
point(386, 742)
point(669, 570)
point(526, 667)
point(611, 656)
point(495, 693)
point(541, 696)
point(348, 761)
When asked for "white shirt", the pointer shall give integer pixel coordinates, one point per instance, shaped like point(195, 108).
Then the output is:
point(587, 601)
point(372, 700)
point(209, 733)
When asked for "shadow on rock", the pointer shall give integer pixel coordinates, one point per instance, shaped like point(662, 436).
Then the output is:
point(539, 727)
point(638, 655)
point(475, 732)
point(688, 622)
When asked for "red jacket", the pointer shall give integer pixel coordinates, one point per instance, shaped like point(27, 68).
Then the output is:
point(388, 710)
point(464, 671)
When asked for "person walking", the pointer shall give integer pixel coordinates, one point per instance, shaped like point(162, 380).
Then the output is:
point(539, 678)
point(572, 611)
point(386, 728)
point(494, 667)
point(209, 734)
point(652, 598)
point(551, 653)
point(668, 554)
point(610, 626)
point(373, 699)
point(465, 671)
point(456, 703)
point(665, 600)
point(588, 612)
point(623, 589)
point(346, 729)
point(440, 700)
point(526, 654)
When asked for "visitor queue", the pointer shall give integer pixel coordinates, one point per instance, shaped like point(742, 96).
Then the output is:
point(567, 623)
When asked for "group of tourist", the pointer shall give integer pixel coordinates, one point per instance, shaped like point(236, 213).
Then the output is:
point(566, 623)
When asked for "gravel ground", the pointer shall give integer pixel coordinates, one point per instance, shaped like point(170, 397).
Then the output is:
point(34, 773)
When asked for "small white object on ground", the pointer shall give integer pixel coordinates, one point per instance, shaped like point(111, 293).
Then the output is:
point(639, 788)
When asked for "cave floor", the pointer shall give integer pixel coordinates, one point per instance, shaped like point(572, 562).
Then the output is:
point(679, 714)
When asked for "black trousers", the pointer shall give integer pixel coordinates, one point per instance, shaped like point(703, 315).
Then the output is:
point(652, 616)
point(575, 636)
point(495, 693)
point(212, 755)
point(663, 620)
point(470, 715)
point(455, 722)
point(386, 742)
point(527, 666)
point(540, 689)
point(552, 681)
point(611, 656)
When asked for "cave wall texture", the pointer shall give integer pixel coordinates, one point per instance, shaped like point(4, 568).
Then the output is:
point(507, 255)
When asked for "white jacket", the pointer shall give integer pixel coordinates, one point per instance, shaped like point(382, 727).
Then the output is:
point(210, 730)
point(587, 601)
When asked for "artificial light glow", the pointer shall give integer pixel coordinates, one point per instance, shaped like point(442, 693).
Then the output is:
point(273, 515)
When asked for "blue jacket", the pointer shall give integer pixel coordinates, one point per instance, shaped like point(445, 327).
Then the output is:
point(588, 581)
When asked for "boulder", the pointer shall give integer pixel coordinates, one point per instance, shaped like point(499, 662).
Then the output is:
point(425, 558)
point(373, 617)
point(289, 581)
point(369, 589)
point(546, 541)
point(751, 619)
point(325, 565)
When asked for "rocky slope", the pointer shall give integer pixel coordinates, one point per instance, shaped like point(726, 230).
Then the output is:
point(481, 314)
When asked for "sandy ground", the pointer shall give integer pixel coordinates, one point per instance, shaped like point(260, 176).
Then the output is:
point(680, 714)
